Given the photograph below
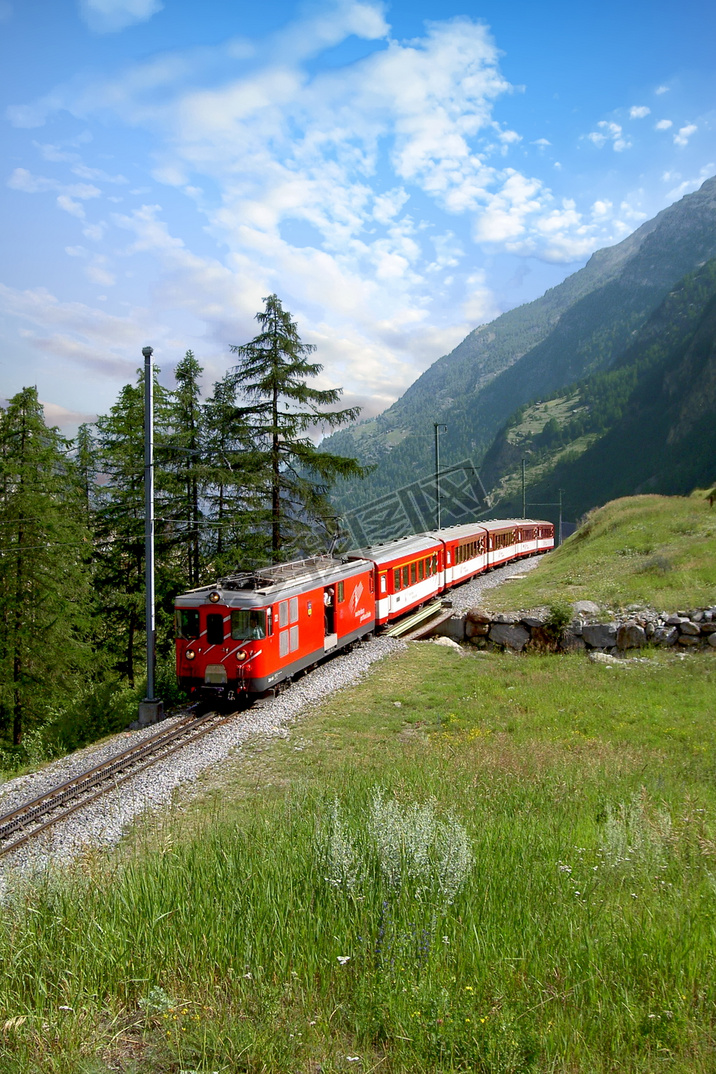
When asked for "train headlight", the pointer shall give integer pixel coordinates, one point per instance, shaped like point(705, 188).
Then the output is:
point(241, 654)
point(215, 597)
point(190, 654)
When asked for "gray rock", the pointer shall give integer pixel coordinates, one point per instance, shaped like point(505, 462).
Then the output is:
point(604, 658)
point(511, 635)
point(674, 620)
point(476, 630)
point(707, 628)
point(650, 629)
point(532, 622)
point(696, 616)
point(688, 639)
point(577, 626)
point(478, 615)
point(687, 627)
point(712, 640)
point(585, 607)
point(630, 635)
point(448, 643)
point(600, 635)
point(666, 635)
point(508, 620)
point(571, 642)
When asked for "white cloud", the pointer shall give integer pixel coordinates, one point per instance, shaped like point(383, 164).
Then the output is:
point(108, 16)
point(682, 138)
point(660, 90)
point(480, 304)
point(639, 111)
point(340, 188)
point(663, 125)
point(76, 332)
point(69, 205)
point(66, 420)
point(608, 130)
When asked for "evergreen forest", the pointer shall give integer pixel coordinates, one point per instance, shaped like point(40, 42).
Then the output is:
point(238, 484)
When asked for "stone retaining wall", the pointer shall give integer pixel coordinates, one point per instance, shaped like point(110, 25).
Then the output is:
point(588, 630)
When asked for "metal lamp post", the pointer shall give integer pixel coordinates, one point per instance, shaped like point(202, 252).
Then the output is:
point(437, 426)
point(150, 709)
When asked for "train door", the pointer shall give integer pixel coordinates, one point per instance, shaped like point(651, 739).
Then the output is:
point(330, 639)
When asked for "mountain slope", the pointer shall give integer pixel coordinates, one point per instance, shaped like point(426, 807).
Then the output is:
point(579, 327)
point(646, 425)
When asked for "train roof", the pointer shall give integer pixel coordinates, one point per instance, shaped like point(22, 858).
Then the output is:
point(254, 588)
point(403, 546)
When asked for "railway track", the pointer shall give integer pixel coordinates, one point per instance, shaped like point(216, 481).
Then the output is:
point(30, 819)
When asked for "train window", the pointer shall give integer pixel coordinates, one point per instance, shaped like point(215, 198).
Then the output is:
point(187, 622)
point(215, 628)
point(435, 564)
point(428, 568)
point(413, 573)
point(269, 620)
point(406, 582)
point(341, 591)
point(448, 557)
point(396, 579)
point(383, 583)
point(247, 625)
point(293, 610)
point(421, 569)
point(283, 613)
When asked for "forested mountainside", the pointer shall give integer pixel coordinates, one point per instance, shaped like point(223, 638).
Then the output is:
point(648, 424)
point(578, 328)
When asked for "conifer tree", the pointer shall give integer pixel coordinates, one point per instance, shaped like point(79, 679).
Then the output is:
point(272, 374)
point(45, 594)
point(186, 463)
point(238, 533)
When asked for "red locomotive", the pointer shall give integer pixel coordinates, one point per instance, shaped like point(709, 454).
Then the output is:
point(252, 630)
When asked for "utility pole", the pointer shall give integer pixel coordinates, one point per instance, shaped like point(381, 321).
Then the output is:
point(150, 709)
point(437, 426)
point(524, 500)
point(560, 516)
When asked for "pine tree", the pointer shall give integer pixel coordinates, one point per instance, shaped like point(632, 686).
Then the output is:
point(238, 533)
point(45, 594)
point(186, 463)
point(271, 373)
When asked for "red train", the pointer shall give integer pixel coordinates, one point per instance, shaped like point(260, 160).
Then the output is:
point(246, 633)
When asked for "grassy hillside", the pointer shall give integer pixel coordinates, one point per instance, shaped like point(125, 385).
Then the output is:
point(467, 863)
point(652, 551)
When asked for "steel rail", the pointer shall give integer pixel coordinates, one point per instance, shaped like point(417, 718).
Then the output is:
point(58, 803)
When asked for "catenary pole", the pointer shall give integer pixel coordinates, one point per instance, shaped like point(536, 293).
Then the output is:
point(150, 708)
point(437, 426)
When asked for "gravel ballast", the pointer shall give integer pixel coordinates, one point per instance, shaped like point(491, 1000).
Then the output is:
point(103, 822)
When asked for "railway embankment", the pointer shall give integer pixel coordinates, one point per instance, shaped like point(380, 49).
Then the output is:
point(587, 630)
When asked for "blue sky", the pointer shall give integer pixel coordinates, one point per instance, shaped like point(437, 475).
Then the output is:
point(397, 174)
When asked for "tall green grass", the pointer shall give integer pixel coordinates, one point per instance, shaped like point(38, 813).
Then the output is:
point(657, 551)
point(444, 884)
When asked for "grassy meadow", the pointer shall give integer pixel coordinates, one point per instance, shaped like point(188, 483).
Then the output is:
point(476, 862)
point(657, 551)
